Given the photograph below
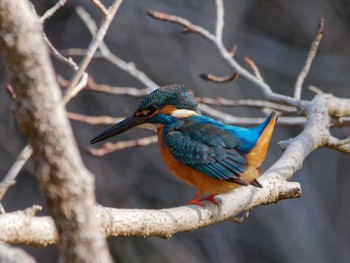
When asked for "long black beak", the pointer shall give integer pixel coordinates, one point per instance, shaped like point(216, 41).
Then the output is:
point(120, 127)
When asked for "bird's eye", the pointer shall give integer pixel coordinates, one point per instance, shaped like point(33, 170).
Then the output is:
point(151, 109)
point(146, 112)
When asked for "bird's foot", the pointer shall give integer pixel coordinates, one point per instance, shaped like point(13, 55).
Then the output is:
point(210, 198)
point(198, 201)
point(195, 200)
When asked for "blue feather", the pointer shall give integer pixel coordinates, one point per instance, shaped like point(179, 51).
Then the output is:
point(210, 147)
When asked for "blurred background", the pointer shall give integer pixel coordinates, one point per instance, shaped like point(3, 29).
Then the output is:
point(277, 36)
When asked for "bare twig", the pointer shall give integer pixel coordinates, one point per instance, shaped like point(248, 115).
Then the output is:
point(121, 145)
point(184, 23)
point(338, 142)
point(93, 120)
point(263, 86)
point(219, 101)
point(10, 91)
point(213, 78)
point(76, 89)
point(128, 67)
point(233, 51)
point(10, 177)
point(246, 121)
point(219, 19)
point(104, 88)
point(52, 10)
point(339, 145)
point(309, 59)
point(91, 50)
point(315, 90)
point(100, 7)
point(254, 67)
point(79, 52)
point(341, 148)
point(70, 62)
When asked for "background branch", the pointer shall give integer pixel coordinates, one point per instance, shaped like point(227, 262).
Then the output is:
point(42, 118)
point(71, 89)
point(310, 57)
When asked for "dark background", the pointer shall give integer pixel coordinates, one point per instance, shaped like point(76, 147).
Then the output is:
point(276, 35)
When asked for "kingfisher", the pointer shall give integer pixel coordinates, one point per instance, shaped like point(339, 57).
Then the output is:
point(210, 156)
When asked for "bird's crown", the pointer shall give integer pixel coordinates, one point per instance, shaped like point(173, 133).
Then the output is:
point(172, 96)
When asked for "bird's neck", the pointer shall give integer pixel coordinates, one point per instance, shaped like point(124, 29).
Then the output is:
point(170, 120)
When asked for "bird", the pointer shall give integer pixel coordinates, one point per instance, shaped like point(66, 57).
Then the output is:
point(212, 157)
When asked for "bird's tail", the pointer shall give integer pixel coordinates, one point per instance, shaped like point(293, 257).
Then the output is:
point(257, 155)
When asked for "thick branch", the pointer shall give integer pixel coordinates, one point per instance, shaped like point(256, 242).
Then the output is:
point(43, 120)
point(166, 222)
point(40, 231)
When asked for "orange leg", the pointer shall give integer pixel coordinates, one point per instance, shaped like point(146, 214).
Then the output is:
point(195, 200)
point(210, 198)
point(198, 201)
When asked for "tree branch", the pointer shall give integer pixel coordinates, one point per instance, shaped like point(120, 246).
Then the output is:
point(164, 223)
point(219, 19)
point(20, 228)
point(309, 59)
point(52, 10)
point(248, 121)
point(128, 67)
point(219, 101)
point(227, 56)
point(109, 147)
point(10, 178)
point(40, 231)
point(92, 49)
point(216, 79)
point(42, 118)
point(93, 120)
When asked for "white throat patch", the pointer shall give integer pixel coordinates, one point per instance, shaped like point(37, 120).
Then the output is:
point(150, 126)
point(182, 114)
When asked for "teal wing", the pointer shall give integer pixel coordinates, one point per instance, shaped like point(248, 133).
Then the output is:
point(207, 149)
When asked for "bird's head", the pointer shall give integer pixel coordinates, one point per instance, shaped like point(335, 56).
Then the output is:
point(159, 107)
